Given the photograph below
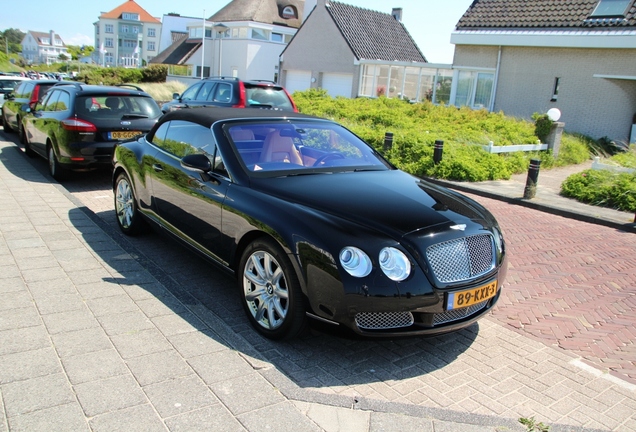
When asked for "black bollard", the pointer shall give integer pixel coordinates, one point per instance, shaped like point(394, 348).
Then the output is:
point(388, 141)
point(533, 178)
point(438, 150)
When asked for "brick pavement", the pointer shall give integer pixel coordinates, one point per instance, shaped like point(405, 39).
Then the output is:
point(161, 308)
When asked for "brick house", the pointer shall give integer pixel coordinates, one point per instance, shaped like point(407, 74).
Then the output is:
point(578, 56)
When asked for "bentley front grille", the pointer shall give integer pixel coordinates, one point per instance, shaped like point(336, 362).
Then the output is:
point(383, 320)
point(461, 259)
point(457, 314)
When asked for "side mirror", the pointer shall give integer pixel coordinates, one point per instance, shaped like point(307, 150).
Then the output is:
point(9, 96)
point(197, 162)
point(176, 96)
point(32, 105)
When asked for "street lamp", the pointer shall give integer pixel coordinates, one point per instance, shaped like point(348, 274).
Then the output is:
point(220, 29)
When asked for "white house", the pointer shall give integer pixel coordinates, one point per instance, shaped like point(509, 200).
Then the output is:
point(43, 48)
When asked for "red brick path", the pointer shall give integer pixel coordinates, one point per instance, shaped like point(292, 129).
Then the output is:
point(571, 284)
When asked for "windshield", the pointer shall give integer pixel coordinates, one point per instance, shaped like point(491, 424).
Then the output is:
point(277, 148)
point(8, 85)
point(116, 106)
point(267, 97)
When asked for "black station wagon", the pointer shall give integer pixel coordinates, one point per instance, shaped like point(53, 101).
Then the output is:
point(76, 126)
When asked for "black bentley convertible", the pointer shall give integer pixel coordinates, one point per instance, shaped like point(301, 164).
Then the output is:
point(314, 223)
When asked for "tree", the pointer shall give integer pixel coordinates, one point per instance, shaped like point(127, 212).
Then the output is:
point(10, 41)
point(78, 52)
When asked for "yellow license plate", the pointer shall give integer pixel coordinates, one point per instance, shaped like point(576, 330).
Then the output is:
point(123, 134)
point(462, 299)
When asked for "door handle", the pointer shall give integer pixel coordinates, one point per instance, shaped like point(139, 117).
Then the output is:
point(157, 167)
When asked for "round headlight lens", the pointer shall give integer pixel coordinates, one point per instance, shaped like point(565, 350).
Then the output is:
point(395, 265)
point(355, 261)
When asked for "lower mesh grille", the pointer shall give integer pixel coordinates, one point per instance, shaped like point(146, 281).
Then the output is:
point(383, 320)
point(457, 314)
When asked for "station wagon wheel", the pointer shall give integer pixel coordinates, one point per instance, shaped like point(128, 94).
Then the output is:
point(5, 124)
point(25, 141)
point(270, 291)
point(56, 171)
point(128, 217)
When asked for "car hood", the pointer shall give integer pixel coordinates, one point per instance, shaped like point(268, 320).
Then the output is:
point(392, 202)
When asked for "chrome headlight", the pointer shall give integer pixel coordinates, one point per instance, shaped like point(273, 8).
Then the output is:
point(395, 265)
point(355, 261)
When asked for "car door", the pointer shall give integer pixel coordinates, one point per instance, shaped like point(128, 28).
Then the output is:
point(13, 106)
point(190, 202)
point(40, 123)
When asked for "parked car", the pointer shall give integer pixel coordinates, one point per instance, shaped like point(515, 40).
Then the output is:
point(8, 83)
point(232, 92)
point(76, 126)
point(314, 223)
point(25, 96)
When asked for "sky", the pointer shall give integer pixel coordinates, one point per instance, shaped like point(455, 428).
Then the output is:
point(430, 22)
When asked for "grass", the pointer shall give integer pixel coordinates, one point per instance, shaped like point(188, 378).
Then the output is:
point(162, 92)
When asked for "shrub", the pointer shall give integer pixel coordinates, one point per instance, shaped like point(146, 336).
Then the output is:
point(154, 74)
point(602, 188)
point(542, 126)
point(415, 128)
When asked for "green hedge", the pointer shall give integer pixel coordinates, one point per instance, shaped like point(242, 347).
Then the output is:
point(415, 128)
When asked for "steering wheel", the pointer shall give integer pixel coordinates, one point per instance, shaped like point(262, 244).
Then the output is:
point(322, 159)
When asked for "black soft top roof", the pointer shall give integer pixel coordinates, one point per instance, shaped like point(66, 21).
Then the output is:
point(206, 116)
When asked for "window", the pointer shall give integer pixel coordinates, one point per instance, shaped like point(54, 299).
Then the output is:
point(183, 138)
point(191, 93)
point(474, 89)
point(289, 12)
point(135, 30)
point(223, 93)
point(260, 34)
point(277, 37)
point(239, 33)
point(51, 101)
point(611, 8)
point(151, 46)
point(151, 32)
point(108, 28)
point(130, 43)
point(108, 42)
point(130, 16)
point(206, 91)
point(123, 28)
point(555, 89)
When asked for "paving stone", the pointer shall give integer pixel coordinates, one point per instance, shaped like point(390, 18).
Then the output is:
point(158, 367)
point(28, 364)
point(125, 322)
point(283, 416)
point(94, 366)
point(140, 343)
point(220, 366)
point(23, 339)
point(67, 417)
point(78, 342)
point(25, 396)
point(141, 418)
point(215, 417)
point(112, 394)
point(179, 395)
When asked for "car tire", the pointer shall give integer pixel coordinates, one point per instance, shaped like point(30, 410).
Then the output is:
point(5, 124)
point(25, 141)
point(56, 171)
point(128, 217)
point(270, 291)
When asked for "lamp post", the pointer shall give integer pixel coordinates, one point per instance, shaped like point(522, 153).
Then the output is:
point(203, 46)
point(220, 29)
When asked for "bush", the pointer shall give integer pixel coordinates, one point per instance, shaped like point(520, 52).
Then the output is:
point(602, 188)
point(415, 128)
point(542, 126)
point(154, 74)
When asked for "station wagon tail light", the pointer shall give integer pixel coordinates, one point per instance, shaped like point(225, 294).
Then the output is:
point(395, 265)
point(241, 103)
point(355, 261)
point(291, 100)
point(77, 125)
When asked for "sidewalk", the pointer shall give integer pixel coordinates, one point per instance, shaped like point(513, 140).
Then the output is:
point(92, 339)
point(547, 198)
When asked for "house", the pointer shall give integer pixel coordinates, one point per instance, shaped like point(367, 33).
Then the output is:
point(174, 27)
point(126, 36)
point(43, 48)
point(532, 55)
point(351, 51)
point(243, 39)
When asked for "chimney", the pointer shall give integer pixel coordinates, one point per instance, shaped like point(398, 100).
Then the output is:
point(52, 36)
point(397, 14)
